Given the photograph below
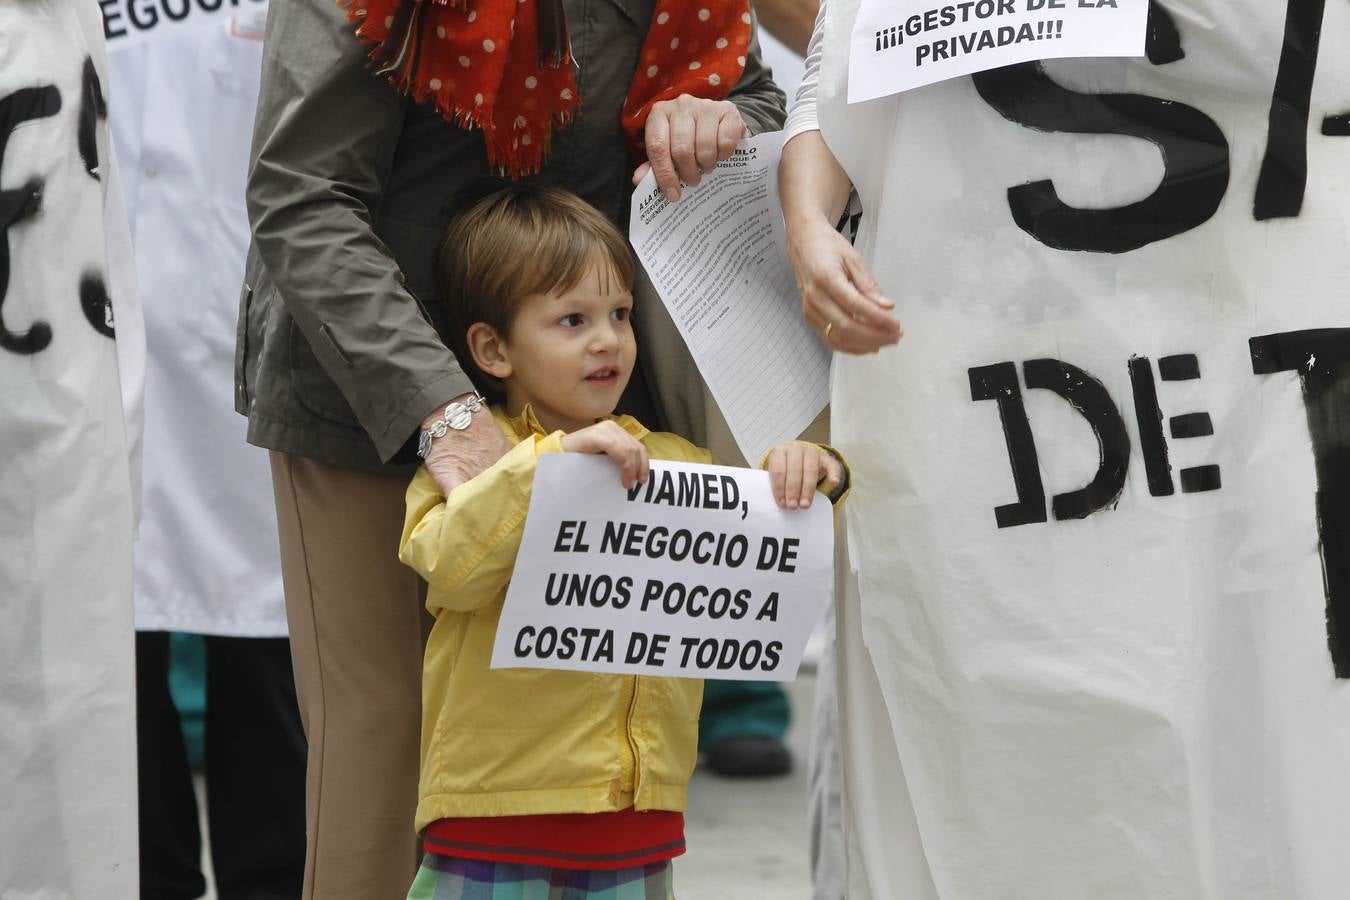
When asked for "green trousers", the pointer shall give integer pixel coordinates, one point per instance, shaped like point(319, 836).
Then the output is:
point(737, 708)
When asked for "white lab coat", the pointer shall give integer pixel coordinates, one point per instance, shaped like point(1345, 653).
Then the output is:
point(1126, 693)
point(68, 813)
point(206, 556)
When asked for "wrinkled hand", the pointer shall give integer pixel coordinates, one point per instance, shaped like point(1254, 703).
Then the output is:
point(795, 469)
point(686, 137)
point(460, 455)
point(620, 446)
point(840, 298)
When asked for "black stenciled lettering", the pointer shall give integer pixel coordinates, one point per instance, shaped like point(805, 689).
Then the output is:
point(18, 204)
point(1181, 367)
point(740, 605)
point(96, 304)
point(688, 494)
point(562, 544)
point(687, 645)
point(1148, 415)
point(555, 589)
point(633, 545)
point(605, 651)
point(1093, 402)
point(524, 640)
point(612, 538)
point(1322, 360)
point(999, 383)
point(1191, 425)
point(1198, 479)
point(111, 13)
point(769, 610)
point(138, 8)
point(1337, 125)
point(177, 10)
point(1284, 169)
point(92, 109)
point(1193, 148)
point(665, 490)
point(1163, 41)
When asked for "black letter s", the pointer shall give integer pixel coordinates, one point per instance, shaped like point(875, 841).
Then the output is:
point(1194, 151)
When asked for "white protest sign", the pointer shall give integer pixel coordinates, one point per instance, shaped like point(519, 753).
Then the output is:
point(899, 46)
point(697, 573)
point(130, 22)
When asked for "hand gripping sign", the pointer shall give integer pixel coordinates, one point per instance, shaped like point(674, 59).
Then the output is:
point(697, 573)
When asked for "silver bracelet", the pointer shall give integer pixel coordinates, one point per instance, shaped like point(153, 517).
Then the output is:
point(457, 415)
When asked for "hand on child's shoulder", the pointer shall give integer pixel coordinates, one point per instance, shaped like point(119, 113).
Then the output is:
point(797, 468)
point(609, 438)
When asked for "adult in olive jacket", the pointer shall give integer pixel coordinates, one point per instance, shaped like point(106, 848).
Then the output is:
point(340, 362)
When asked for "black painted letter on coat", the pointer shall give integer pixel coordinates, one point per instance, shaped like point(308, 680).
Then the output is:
point(999, 383)
point(1093, 402)
point(1322, 360)
point(1193, 148)
point(17, 204)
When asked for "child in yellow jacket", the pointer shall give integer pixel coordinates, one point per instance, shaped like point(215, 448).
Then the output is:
point(538, 782)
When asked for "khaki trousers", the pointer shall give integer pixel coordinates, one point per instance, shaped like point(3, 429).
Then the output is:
point(358, 624)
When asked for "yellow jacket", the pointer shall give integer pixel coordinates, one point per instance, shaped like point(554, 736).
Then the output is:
point(502, 742)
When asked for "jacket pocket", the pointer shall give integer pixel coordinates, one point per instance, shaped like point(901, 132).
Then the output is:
point(314, 390)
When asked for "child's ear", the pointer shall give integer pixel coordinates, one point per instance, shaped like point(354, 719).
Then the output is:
point(488, 350)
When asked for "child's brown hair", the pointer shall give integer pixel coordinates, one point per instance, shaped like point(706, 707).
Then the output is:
point(517, 241)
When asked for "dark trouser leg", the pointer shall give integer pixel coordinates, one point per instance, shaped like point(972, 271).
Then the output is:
point(171, 846)
point(740, 732)
point(255, 769)
point(741, 709)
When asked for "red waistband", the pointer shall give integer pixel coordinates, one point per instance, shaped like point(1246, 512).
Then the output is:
point(608, 840)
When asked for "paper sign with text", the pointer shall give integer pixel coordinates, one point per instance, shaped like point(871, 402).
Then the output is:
point(899, 46)
point(697, 573)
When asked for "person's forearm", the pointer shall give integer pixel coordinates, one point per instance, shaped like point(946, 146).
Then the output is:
point(811, 183)
point(325, 133)
point(761, 102)
point(788, 20)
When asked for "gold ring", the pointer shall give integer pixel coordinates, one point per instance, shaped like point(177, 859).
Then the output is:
point(829, 326)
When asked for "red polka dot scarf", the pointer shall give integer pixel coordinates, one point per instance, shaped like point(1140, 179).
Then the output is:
point(504, 65)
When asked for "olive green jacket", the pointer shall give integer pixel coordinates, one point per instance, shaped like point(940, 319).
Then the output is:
point(339, 355)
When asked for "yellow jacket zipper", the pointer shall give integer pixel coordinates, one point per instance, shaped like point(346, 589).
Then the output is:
point(634, 760)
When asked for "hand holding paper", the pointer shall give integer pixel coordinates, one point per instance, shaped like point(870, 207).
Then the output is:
point(686, 138)
point(719, 261)
point(608, 438)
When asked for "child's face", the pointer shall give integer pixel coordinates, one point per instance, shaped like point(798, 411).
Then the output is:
point(571, 354)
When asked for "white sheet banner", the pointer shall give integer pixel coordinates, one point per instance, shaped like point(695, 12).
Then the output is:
point(68, 754)
point(1102, 530)
point(697, 573)
point(129, 22)
point(899, 46)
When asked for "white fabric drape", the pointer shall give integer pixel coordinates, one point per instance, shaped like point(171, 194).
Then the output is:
point(68, 807)
point(1141, 702)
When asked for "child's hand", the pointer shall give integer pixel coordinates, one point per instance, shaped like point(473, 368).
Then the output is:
point(795, 468)
point(620, 446)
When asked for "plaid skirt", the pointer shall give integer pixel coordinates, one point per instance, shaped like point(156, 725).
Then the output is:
point(451, 878)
